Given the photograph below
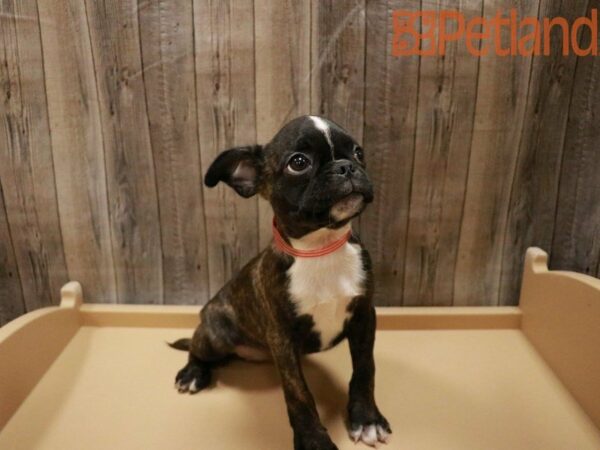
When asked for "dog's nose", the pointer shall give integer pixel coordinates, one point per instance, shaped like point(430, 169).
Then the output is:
point(344, 168)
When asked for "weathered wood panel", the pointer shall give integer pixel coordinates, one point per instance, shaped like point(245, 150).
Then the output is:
point(445, 119)
point(77, 147)
point(338, 63)
point(502, 91)
point(11, 293)
point(167, 37)
point(534, 190)
point(131, 183)
point(389, 137)
point(26, 167)
point(282, 57)
point(224, 40)
point(576, 243)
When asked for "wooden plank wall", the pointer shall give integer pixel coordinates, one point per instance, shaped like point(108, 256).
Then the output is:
point(576, 239)
point(111, 111)
point(30, 200)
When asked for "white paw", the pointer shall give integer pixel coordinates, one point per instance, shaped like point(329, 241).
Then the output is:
point(370, 434)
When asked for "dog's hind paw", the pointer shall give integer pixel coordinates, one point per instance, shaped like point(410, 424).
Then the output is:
point(193, 378)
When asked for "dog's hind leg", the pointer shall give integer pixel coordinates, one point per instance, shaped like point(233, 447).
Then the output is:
point(196, 375)
point(212, 345)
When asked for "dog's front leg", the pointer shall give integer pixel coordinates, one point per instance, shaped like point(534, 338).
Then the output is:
point(309, 433)
point(366, 422)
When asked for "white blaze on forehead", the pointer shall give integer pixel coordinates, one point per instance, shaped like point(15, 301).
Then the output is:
point(324, 127)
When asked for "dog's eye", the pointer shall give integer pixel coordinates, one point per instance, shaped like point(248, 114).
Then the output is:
point(359, 154)
point(298, 164)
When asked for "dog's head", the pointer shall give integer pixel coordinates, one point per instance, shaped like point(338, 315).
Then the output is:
point(313, 173)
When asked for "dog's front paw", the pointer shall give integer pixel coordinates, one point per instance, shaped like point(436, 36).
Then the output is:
point(367, 424)
point(192, 378)
point(313, 441)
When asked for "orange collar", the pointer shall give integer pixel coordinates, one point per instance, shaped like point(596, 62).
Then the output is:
point(286, 248)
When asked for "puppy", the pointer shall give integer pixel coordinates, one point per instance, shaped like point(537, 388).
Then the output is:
point(308, 290)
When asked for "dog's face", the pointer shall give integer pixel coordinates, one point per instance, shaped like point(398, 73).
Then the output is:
point(312, 172)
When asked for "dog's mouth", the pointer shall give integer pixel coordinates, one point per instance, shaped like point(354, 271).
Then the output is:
point(349, 206)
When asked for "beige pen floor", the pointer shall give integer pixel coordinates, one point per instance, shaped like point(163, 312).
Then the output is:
point(112, 388)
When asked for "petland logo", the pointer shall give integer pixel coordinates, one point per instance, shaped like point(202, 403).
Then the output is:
point(417, 32)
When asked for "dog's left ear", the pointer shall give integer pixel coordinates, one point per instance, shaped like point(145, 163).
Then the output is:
point(239, 167)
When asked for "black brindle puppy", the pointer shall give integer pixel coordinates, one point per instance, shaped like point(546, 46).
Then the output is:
point(308, 290)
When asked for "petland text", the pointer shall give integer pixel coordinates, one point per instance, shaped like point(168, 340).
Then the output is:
point(418, 32)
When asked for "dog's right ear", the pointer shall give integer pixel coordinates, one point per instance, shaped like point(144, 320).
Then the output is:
point(239, 167)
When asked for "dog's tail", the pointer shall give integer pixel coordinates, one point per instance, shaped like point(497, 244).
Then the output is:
point(181, 344)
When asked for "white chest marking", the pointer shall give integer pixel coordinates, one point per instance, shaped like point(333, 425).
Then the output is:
point(323, 287)
point(321, 125)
